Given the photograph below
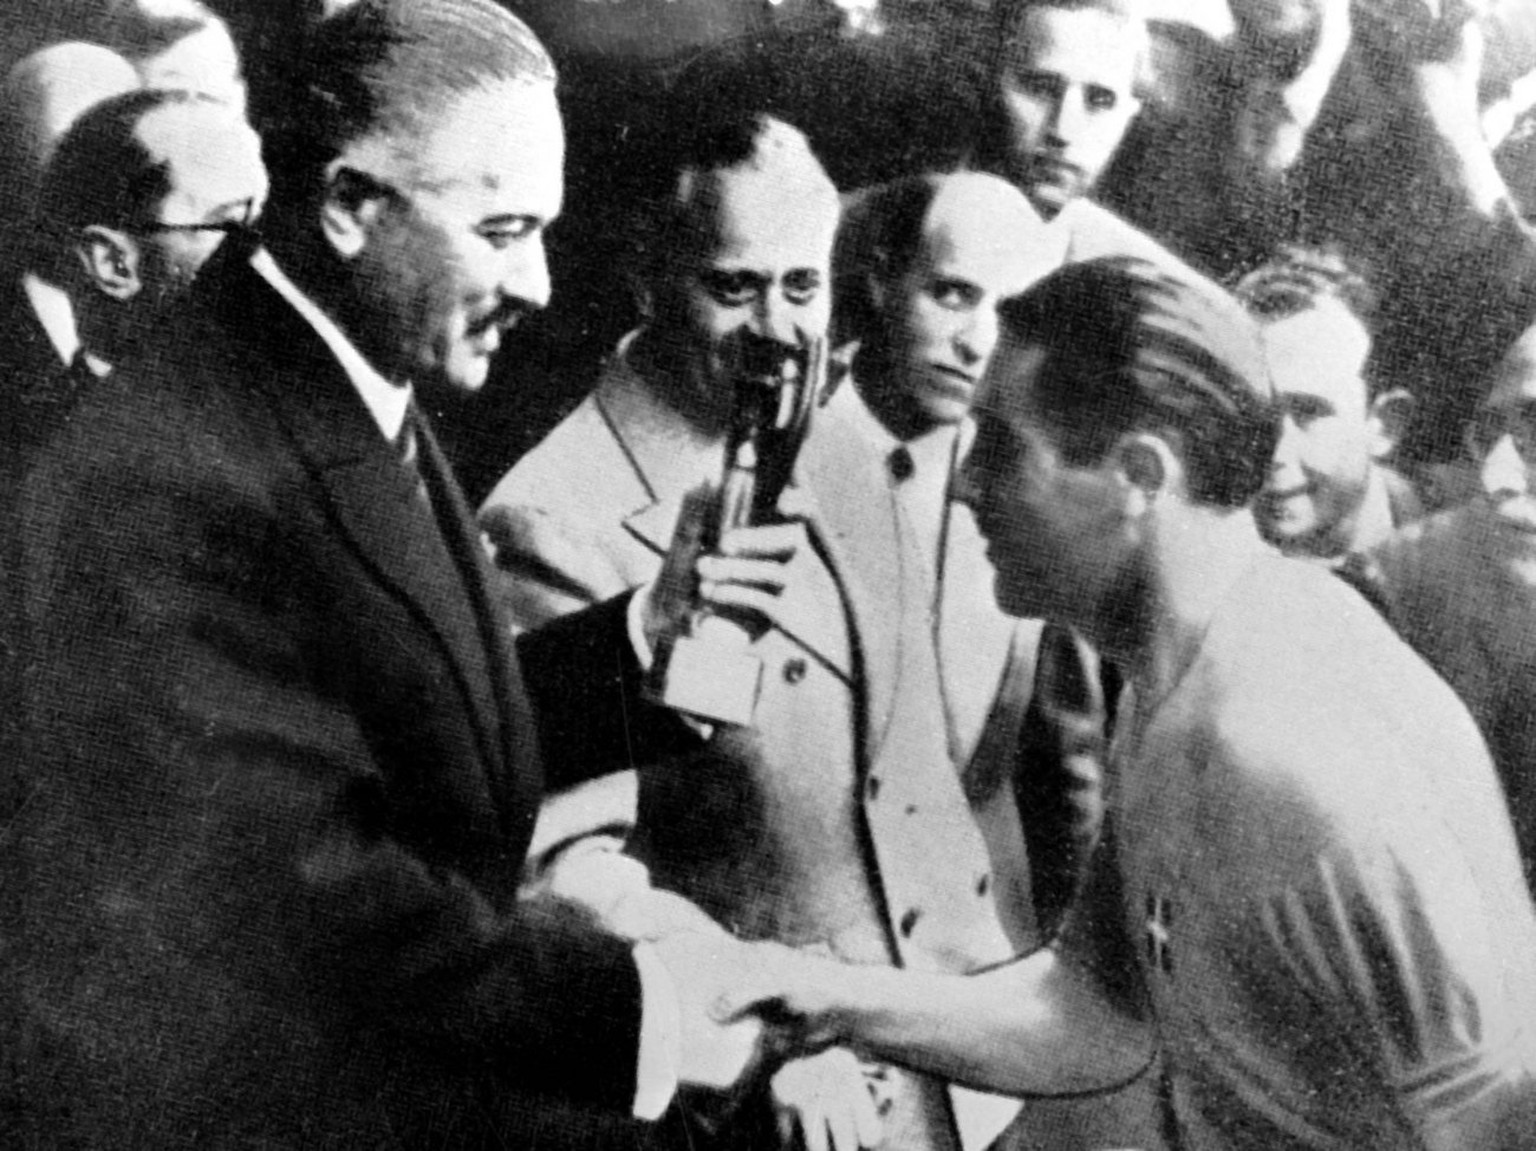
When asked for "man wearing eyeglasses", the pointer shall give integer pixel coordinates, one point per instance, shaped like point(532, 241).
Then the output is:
point(261, 887)
point(142, 190)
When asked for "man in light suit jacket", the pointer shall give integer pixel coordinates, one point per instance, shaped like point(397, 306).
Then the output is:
point(848, 816)
point(281, 773)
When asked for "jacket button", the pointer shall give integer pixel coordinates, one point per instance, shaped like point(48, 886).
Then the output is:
point(794, 670)
point(872, 787)
point(908, 922)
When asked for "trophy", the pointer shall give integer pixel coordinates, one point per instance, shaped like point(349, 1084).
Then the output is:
point(707, 668)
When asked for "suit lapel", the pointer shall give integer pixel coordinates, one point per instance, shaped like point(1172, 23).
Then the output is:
point(974, 635)
point(805, 615)
point(426, 559)
point(864, 551)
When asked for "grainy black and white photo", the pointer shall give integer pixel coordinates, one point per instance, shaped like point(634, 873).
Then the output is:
point(768, 575)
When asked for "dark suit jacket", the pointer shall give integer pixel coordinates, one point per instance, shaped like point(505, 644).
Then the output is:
point(36, 388)
point(281, 779)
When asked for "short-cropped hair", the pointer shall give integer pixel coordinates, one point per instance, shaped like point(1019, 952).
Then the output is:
point(390, 66)
point(101, 173)
point(1297, 278)
point(1131, 346)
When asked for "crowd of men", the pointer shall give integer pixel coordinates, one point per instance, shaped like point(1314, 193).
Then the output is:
point(1085, 705)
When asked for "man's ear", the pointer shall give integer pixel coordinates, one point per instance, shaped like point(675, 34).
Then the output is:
point(111, 260)
point(1148, 468)
point(352, 204)
point(1387, 421)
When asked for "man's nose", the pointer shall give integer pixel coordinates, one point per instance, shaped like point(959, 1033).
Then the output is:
point(1503, 470)
point(525, 274)
point(1287, 455)
point(977, 338)
point(775, 319)
point(1065, 125)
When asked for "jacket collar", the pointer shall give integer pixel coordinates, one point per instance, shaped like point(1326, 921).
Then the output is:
point(408, 544)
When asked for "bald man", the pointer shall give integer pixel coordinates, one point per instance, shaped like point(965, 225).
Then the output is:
point(922, 265)
point(43, 95)
point(141, 192)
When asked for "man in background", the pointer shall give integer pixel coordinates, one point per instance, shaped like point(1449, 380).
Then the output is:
point(1066, 83)
point(139, 194)
point(816, 819)
point(1331, 490)
point(43, 95)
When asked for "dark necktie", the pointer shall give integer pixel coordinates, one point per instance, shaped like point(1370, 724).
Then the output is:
point(408, 445)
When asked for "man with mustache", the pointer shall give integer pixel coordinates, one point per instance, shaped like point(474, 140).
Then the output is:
point(141, 192)
point(261, 887)
point(847, 815)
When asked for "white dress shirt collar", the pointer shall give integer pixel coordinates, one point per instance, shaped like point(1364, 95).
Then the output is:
point(386, 401)
point(55, 313)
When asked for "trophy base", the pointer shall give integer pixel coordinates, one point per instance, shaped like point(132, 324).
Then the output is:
point(709, 679)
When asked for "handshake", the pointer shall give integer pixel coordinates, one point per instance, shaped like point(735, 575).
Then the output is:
point(747, 1012)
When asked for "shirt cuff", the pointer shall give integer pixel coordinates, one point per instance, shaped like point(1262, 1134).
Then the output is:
point(660, 1036)
point(634, 623)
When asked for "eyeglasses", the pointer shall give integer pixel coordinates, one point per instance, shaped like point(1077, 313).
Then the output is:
point(243, 222)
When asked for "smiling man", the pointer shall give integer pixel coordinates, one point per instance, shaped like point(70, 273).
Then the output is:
point(847, 815)
point(280, 771)
point(1330, 489)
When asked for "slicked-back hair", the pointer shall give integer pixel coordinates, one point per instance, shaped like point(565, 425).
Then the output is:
point(101, 173)
point(672, 204)
point(390, 67)
point(880, 234)
point(1134, 347)
point(1299, 279)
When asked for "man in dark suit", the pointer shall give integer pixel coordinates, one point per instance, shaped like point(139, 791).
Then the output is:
point(261, 890)
point(43, 95)
point(138, 195)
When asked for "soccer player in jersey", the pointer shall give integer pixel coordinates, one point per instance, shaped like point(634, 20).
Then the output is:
point(1309, 896)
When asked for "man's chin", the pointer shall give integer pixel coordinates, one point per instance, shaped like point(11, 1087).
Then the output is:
point(1049, 197)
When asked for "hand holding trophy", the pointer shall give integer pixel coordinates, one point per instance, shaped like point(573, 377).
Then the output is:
point(731, 553)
